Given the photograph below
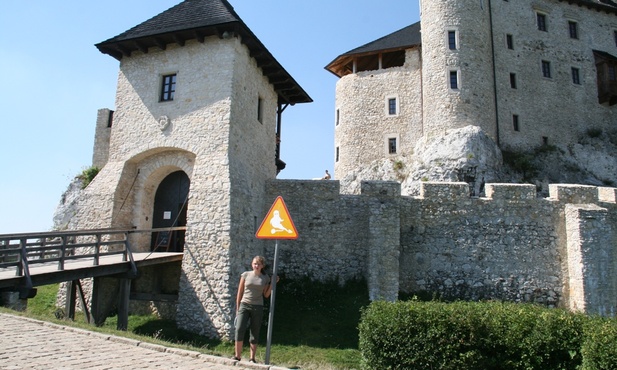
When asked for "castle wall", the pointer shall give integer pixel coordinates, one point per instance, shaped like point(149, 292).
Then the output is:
point(567, 110)
point(510, 245)
point(364, 125)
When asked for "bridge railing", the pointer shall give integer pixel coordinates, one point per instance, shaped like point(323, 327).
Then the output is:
point(23, 250)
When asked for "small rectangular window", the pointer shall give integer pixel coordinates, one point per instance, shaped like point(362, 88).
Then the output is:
point(546, 69)
point(452, 40)
point(513, 80)
point(392, 145)
point(615, 37)
point(168, 88)
point(576, 78)
point(573, 29)
point(515, 124)
point(260, 108)
point(509, 42)
point(337, 154)
point(454, 80)
point(392, 106)
point(338, 116)
point(541, 20)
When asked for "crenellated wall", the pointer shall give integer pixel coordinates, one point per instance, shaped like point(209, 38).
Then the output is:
point(510, 245)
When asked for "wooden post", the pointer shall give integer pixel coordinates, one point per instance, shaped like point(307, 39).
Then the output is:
point(71, 295)
point(123, 304)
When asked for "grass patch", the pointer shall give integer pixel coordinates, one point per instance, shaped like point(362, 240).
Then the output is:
point(315, 325)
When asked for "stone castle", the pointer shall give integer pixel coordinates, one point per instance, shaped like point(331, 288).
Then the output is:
point(194, 141)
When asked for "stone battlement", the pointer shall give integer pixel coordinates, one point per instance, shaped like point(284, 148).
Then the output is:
point(508, 245)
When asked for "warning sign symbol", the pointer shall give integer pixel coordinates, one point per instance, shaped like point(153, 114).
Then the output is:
point(278, 223)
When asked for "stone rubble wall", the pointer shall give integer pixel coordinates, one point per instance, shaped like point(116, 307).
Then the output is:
point(508, 245)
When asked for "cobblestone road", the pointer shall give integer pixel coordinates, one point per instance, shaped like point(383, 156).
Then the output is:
point(33, 344)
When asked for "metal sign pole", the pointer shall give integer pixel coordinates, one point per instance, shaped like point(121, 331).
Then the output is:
point(272, 299)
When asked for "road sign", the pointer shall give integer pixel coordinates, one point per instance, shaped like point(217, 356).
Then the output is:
point(278, 223)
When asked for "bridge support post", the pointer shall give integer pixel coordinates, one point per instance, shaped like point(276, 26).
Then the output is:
point(71, 295)
point(123, 304)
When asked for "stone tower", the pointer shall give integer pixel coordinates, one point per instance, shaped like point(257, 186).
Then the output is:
point(194, 138)
point(457, 66)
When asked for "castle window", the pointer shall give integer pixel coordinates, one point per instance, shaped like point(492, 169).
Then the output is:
point(392, 145)
point(606, 69)
point(452, 40)
point(515, 125)
point(513, 80)
point(392, 107)
point(509, 42)
point(454, 83)
point(573, 29)
point(546, 69)
point(615, 37)
point(576, 78)
point(541, 21)
point(338, 116)
point(260, 109)
point(337, 154)
point(168, 87)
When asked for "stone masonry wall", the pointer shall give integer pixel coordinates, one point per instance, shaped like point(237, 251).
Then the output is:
point(508, 245)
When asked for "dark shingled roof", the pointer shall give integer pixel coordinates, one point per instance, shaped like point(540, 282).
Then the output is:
point(198, 19)
point(402, 39)
point(606, 5)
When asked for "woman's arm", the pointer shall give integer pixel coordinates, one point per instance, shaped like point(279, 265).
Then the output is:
point(240, 293)
point(268, 288)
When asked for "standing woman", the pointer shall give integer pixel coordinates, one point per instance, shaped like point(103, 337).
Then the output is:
point(254, 286)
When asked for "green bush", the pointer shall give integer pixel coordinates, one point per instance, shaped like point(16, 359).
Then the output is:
point(87, 175)
point(465, 335)
point(600, 346)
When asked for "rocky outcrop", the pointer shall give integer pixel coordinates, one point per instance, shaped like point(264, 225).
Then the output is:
point(469, 155)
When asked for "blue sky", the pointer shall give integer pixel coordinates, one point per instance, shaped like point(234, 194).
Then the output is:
point(54, 80)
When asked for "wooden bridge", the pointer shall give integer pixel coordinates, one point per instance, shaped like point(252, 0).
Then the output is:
point(37, 259)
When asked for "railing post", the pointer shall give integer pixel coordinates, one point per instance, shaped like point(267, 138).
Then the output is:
point(24, 264)
point(97, 249)
point(62, 253)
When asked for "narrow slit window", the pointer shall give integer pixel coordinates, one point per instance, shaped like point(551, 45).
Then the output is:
point(541, 21)
point(513, 80)
point(452, 40)
point(338, 116)
point(168, 87)
point(576, 76)
point(454, 83)
point(392, 106)
point(510, 42)
point(392, 145)
point(573, 29)
point(615, 37)
point(260, 109)
point(515, 122)
point(546, 69)
point(337, 154)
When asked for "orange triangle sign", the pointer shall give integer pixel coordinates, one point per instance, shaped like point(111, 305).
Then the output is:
point(278, 223)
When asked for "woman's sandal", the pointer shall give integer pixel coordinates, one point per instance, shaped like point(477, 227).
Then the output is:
point(253, 361)
point(235, 358)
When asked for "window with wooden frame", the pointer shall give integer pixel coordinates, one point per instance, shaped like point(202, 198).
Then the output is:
point(168, 87)
point(541, 22)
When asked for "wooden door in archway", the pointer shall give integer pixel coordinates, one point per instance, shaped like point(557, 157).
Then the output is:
point(170, 204)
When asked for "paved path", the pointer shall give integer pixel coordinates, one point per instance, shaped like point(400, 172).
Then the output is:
point(33, 344)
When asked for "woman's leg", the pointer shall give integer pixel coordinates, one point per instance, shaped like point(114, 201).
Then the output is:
point(256, 318)
point(242, 321)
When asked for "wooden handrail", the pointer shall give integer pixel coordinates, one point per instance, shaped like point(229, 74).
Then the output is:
point(25, 249)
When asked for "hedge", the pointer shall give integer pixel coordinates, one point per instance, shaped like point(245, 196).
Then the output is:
point(492, 335)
